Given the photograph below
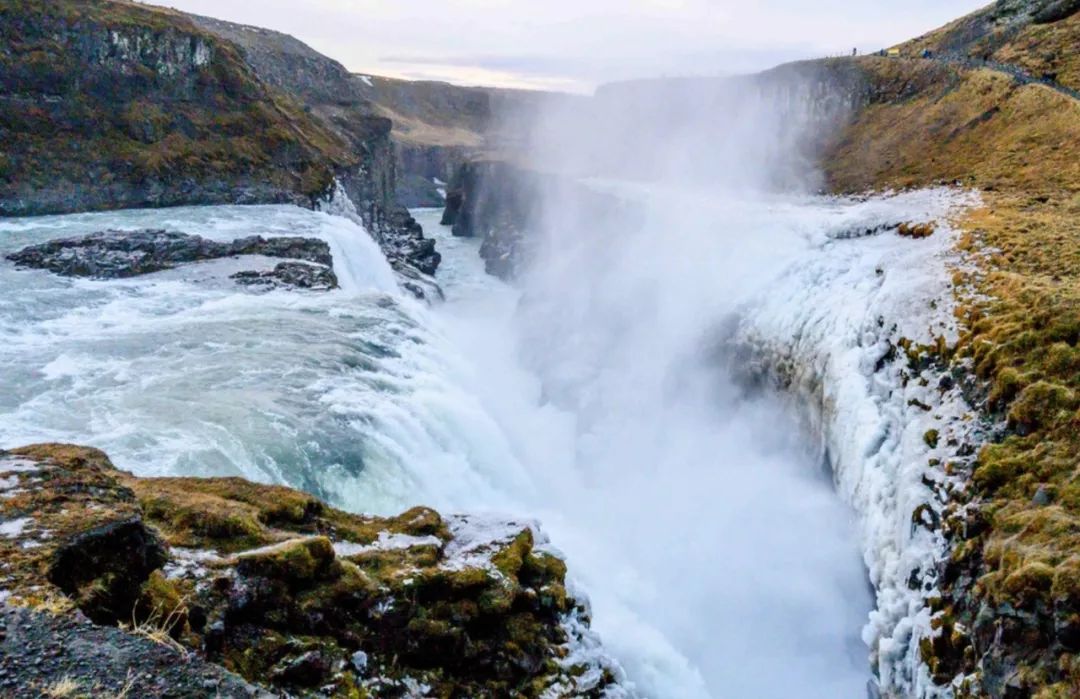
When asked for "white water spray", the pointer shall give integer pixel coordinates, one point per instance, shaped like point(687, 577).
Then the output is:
point(719, 562)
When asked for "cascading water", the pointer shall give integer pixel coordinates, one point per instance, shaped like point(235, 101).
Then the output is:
point(718, 560)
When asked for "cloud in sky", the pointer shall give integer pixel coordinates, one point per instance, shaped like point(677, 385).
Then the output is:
point(577, 44)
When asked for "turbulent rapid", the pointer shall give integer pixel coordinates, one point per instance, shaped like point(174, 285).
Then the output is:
point(696, 516)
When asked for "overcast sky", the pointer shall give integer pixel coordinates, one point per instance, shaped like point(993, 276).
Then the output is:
point(577, 44)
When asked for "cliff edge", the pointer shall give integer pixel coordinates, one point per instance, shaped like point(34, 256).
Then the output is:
point(228, 588)
point(115, 104)
point(987, 103)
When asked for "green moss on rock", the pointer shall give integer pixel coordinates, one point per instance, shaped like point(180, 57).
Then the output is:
point(256, 584)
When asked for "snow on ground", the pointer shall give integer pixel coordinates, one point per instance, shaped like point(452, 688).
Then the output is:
point(387, 541)
point(476, 538)
point(16, 465)
point(14, 528)
point(834, 320)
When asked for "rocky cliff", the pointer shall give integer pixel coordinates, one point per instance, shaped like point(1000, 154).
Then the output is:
point(114, 104)
point(509, 207)
point(434, 126)
point(201, 584)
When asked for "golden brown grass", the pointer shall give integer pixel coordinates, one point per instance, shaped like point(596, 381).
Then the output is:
point(231, 514)
point(64, 688)
point(68, 687)
point(979, 130)
point(1023, 341)
point(161, 625)
point(415, 131)
point(1047, 48)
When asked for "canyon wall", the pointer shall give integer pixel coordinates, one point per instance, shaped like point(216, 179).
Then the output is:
point(111, 105)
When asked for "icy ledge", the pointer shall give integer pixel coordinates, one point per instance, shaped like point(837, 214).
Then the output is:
point(840, 330)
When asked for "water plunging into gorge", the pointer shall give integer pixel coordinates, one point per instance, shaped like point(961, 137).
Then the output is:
point(719, 561)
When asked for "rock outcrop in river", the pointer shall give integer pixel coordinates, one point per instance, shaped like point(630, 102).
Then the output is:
point(121, 254)
point(277, 587)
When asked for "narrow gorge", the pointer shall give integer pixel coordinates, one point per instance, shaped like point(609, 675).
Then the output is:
point(321, 384)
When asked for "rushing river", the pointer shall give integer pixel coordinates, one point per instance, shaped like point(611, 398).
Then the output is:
point(719, 561)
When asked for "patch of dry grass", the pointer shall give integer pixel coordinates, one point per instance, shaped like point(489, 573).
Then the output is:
point(232, 514)
point(68, 687)
point(160, 626)
point(1024, 340)
point(64, 688)
point(1046, 48)
point(980, 129)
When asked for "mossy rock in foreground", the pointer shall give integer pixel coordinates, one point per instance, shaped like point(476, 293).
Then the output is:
point(290, 593)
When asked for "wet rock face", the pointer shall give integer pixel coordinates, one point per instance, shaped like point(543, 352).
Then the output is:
point(290, 275)
point(275, 586)
point(500, 204)
point(120, 254)
point(404, 242)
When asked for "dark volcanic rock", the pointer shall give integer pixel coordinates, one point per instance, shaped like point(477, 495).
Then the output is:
point(119, 254)
point(499, 203)
point(310, 249)
point(39, 650)
point(415, 191)
point(103, 568)
point(296, 275)
point(405, 240)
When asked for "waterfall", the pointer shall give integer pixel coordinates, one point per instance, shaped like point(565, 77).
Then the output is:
point(591, 398)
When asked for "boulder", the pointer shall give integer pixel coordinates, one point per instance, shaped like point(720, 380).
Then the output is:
point(104, 568)
point(290, 275)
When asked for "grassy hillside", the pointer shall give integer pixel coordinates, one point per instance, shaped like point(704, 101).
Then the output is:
point(1011, 610)
point(1036, 35)
point(113, 103)
point(975, 127)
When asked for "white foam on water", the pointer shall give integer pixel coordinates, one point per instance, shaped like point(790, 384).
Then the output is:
point(718, 560)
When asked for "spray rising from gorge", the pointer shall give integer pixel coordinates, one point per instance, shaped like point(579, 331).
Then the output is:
point(604, 392)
